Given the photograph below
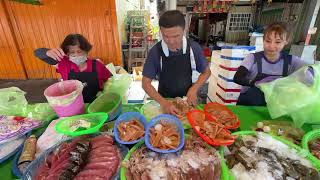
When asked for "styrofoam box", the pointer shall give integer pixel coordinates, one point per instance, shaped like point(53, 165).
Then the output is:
point(217, 98)
point(226, 71)
point(231, 62)
point(215, 54)
point(212, 85)
point(237, 51)
point(214, 69)
point(227, 83)
point(226, 94)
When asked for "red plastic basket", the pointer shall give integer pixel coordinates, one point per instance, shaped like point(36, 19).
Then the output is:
point(222, 108)
point(204, 137)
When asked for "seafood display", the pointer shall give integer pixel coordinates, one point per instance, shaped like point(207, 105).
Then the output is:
point(130, 130)
point(83, 158)
point(153, 109)
point(284, 129)
point(183, 108)
point(164, 136)
point(209, 129)
point(222, 114)
point(263, 157)
point(195, 161)
point(314, 147)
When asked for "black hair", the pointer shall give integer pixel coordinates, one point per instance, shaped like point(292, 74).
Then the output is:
point(171, 19)
point(75, 39)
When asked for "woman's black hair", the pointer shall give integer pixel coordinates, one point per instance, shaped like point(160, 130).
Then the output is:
point(75, 39)
point(171, 19)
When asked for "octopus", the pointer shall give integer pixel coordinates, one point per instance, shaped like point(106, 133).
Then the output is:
point(195, 161)
point(130, 130)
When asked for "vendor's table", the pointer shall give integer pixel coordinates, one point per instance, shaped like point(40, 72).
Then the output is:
point(248, 116)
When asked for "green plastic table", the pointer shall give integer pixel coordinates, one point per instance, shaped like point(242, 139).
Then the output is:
point(248, 116)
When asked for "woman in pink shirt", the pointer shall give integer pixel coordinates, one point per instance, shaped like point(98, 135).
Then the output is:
point(72, 62)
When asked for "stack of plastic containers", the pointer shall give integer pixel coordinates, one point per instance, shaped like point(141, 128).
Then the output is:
point(224, 65)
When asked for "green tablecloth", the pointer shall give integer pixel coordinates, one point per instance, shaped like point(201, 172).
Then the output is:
point(248, 116)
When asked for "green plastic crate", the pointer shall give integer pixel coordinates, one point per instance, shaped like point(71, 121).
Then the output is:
point(96, 120)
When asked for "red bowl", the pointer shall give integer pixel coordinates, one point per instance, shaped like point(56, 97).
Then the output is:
point(191, 115)
point(223, 108)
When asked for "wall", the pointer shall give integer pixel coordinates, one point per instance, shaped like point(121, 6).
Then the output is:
point(28, 27)
point(286, 12)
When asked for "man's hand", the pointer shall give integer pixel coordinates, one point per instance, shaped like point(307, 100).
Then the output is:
point(56, 54)
point(169, 108)
point(192, 96)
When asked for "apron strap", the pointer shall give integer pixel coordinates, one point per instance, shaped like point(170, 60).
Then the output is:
point(258, 59)
point(94, 65)
point(286, 62)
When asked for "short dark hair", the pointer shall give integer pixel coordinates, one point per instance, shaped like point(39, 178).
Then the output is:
point(75, 39)
point(172, 18)
point(279, 28)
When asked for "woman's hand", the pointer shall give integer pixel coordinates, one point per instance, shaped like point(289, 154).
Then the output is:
point(56, 54)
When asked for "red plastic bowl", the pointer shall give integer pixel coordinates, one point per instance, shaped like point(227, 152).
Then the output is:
point(193, 113)
point(223, 108)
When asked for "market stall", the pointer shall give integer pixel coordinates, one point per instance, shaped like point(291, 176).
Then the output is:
point(110, 138)
point(249, 116)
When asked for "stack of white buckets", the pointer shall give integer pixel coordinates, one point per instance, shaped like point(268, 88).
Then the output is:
point(224, 65)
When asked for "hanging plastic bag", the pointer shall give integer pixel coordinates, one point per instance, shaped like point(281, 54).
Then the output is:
point(297, 95)
point(119, 83)
point(12, 102)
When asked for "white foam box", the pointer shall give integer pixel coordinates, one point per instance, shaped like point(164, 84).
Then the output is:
point(215, 55)
point(221, 100)
point(228, 94)
point(237, 51)
point(214, 69)
point(212, 86)
point(231, 62)
point(227, 83)
point(227, 71)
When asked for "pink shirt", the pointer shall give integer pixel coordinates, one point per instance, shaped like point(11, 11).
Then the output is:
point(65, 66)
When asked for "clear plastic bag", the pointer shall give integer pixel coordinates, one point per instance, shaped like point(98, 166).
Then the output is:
point(119, 83)
point(12, 102)
point(297, 95)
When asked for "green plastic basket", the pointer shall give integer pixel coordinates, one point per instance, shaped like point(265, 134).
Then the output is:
point(109, 103)
point(226, 171)
point(123, 170)
point(96, 120)
point(305, 141)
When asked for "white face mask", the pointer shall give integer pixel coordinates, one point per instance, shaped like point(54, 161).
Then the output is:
point(78, 59)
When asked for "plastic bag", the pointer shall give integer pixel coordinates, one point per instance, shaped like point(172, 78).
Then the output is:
point(12, 102)
point(119, 84)
point(297, 95)
point(40, 111)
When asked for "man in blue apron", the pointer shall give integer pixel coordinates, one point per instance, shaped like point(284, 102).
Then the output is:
point(171, 61)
